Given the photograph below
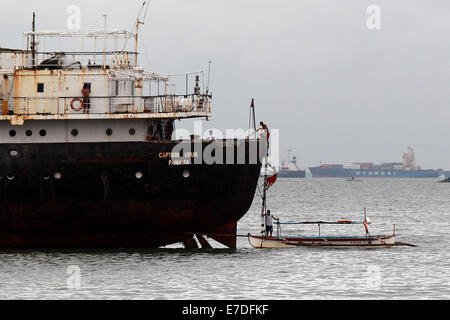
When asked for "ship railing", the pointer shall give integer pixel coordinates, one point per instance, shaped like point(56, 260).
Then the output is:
point(125, 60)
point(82, 45)
point(111, 105)
point(177, 103)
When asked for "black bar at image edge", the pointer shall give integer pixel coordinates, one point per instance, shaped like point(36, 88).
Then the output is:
point(223, 309)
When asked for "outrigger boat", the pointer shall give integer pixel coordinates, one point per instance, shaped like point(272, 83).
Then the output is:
point(279, 241)
point(367, 241)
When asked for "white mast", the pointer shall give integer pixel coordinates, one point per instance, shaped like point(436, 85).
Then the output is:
point(264, 202)
point(104, 44)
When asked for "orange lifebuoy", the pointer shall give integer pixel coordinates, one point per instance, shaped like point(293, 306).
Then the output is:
point(81, 104)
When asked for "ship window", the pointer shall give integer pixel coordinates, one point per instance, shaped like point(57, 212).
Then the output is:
point(117, 87)
point(132, 132)
point(40, 87)
point(29, 133)
point(132, 88)
point(109, 132)
point(74, 132)
point(12, 133)
point(43, 133)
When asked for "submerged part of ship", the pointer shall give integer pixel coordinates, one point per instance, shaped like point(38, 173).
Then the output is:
point(87, 155)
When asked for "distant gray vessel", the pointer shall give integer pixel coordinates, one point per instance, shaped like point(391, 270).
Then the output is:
point(289, 168)
point(406, 169)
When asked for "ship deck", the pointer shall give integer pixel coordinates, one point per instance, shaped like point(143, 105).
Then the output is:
point(20, 119)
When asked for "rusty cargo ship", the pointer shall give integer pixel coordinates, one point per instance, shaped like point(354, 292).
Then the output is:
point(87, 154)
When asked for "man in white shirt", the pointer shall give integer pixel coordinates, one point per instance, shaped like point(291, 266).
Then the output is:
point(269, 223)
point(211, 136)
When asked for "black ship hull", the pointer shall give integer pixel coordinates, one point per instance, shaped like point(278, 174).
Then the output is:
point(118, 195)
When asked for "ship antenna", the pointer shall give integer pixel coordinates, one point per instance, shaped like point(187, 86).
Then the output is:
point(252, 118)
point(139, 21)
point(209, 74)
point(104, 42)
point(146, 9)
point(33, 41)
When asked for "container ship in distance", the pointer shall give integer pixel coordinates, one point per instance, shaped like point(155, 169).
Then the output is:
point(87, 157)
point(406, 169)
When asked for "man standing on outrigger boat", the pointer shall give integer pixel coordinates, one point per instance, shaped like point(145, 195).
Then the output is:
point(269, 223)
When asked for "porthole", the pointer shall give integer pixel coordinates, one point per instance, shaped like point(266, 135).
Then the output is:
point(132, 132)
point(186, 174)
point(139, 175)
point(12, 133)
point(58, 175)
point(43, 133)
point(109, 132)
point(74, 132)
point(29, 133)
point(14, 153)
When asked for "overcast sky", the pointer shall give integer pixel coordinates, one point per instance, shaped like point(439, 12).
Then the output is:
point(337, 91)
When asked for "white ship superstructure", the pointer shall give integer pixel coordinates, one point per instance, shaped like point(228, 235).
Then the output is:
point(40, 86)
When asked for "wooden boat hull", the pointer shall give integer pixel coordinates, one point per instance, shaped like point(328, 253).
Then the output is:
point(336, 242)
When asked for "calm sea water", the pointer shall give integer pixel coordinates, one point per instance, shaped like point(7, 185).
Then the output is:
point(420, 208)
